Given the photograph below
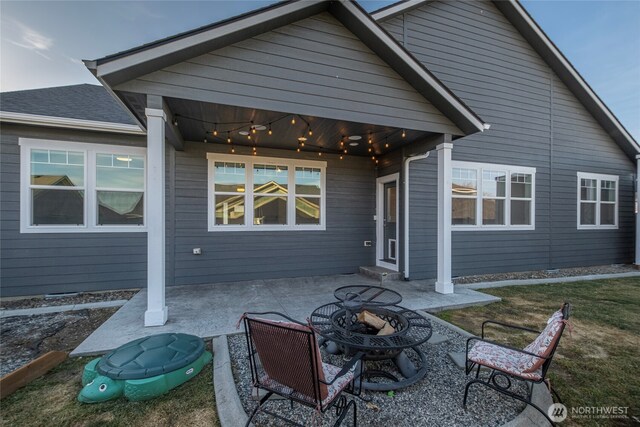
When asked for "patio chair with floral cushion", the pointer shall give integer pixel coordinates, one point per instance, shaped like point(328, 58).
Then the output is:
point(284, 357)
point(505, 363)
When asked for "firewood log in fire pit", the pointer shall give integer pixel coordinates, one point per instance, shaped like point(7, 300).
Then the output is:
point(374, 321)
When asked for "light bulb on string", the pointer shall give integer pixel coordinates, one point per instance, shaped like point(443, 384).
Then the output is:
point(229, 137)
point(215, 130)
point(293, 120)
point(270, 131)
point(404, 133)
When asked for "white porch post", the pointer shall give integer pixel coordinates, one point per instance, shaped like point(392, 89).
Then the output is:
point(637, 262)
point(444, 285)
point(156, 314)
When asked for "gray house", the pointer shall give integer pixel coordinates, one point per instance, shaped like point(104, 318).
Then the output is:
point(431, 138)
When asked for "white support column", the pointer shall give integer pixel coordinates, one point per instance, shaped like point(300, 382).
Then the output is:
point(156, 314)
point(637, 262)
point(444, 285)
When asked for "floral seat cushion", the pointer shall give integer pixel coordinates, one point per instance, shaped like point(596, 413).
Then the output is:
point(515, 362)
point(503, 359)
point(329, 371)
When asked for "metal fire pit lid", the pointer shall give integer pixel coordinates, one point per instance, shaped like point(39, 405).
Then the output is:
point(417, 332)
point(367, 295)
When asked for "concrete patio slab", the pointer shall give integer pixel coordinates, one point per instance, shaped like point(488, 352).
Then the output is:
point(213, 310)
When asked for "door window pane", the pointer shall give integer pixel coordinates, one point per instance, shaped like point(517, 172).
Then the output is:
point(521, 185)
point(229, 177)
point(493, 211)
point(608, 214)
point(520, 212)
point(270, 179)
point(57, 207)
point(229, 209)
point(463, 211)
point(308, 210)
point(494, 183)
point(464, 182)
point(587, 213)
point(391, 203)
point(49, 167)
point(120, 208)
point(269, 210)
point(308, 181)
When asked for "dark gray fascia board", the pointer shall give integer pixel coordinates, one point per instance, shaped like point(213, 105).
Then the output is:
point(127, 65)
point(358, 21)
point(395, 9)
point(532, 32)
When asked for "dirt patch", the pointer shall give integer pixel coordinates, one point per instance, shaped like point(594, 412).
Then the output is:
point(81, 298)
point(24, 338)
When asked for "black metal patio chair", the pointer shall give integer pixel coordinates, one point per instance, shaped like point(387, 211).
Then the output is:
point(285, 360)
point(506, 363)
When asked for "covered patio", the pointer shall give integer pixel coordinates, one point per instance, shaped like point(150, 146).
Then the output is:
point(213, 310)
point(296, 87)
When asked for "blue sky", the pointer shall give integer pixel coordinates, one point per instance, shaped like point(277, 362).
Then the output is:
point(42, 43)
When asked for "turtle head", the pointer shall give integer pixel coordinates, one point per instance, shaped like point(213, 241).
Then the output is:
point(101, 389)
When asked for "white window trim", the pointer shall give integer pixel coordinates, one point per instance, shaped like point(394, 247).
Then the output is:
point(509, 170)
point(249, 161)
point(599, 178)
point(90, 199)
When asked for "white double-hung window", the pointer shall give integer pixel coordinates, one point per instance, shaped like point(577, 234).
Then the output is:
point(597, 201)
point(265, 194)
point(80, 187)
point(492, 197)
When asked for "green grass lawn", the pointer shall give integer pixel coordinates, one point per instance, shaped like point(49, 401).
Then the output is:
point(596, 365)
point(51, 401)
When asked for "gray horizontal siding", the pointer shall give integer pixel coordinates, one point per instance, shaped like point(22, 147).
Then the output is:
point(313, 67)
point(231, 256)
point(535, 121)
point(33, 264)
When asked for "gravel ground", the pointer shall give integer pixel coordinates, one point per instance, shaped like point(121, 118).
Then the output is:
point(24, 338)
point(434, 401)
point(81, 298)
point(546, 274)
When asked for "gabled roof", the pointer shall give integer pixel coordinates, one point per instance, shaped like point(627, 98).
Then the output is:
point(531, 31)
point(84, 102)
point(115, 69)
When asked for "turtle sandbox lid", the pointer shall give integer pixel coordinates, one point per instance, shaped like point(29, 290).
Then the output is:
point(150, 356)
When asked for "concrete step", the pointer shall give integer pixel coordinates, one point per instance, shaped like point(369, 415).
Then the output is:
point(380, 273)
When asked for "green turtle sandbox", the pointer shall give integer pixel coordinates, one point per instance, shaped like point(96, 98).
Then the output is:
point(143, 369)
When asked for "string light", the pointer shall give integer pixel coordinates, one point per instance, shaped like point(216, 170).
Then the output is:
point(175, 122)
point(205, 140)
point(249, 136)
point(370, 138)
point(233, 150)
point(253, 128)
point(341, 156)
point(229, 137)
point(319, 153)
point(270, 131)
point(404, 133)
point(298, 149)
point(370, 149)
point(215, 130)
point(386, 145)
point(293, 120)
point(345, 151)
point(373, 157)
point(310, 132)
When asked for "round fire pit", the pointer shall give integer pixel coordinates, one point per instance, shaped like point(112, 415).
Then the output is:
point(343, 333)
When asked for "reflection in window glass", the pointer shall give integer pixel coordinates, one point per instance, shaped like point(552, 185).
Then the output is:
point(269, 210)
point(464, 182)
point(229, 177)
point(494, 183)
point(608, 191)
point(493, 211)
point(308, 210)
point(270, 179)
point(57, 207)
point(57, 168)
point(117, 171)
point(120, 208)
point(463, 211)
point(230, 209)
point(308, 181)
point(588, 189)
point(521, 185)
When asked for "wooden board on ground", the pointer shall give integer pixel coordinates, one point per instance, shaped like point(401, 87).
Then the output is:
point(29, 372)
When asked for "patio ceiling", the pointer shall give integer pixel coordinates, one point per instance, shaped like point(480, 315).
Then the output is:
point(198, 121)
